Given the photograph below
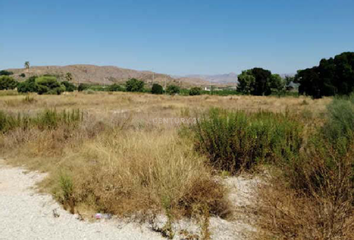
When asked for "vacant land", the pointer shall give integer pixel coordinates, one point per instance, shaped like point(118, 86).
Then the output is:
point(143, 156)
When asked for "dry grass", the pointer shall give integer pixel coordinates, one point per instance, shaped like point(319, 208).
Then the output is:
point(120, 160)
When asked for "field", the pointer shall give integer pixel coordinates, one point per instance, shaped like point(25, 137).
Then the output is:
point(141, 155)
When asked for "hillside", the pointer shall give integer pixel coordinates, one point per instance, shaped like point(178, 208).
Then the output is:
point(104, 75)
point(219, 78)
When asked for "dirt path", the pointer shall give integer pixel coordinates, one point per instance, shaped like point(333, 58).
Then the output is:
point(25, 214)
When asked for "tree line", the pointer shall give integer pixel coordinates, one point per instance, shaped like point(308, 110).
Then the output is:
point(333, 76)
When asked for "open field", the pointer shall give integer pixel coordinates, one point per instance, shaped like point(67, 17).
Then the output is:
point(140, 156)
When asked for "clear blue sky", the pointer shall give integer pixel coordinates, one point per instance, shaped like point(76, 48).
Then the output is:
point(176, 36)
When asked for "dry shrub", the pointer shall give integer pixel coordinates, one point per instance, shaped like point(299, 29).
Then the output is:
point(129, 172)
point(314, 200)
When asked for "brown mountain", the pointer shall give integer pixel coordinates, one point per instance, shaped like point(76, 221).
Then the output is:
point(104, 75)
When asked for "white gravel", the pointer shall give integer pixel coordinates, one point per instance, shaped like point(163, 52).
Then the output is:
point(25, 214)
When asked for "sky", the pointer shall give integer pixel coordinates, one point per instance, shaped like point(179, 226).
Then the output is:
point(176, 37)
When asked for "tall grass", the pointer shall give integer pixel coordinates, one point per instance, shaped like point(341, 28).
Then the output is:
point(137, 172)
point(314, 197)
point(47, 119)
point(235, 140)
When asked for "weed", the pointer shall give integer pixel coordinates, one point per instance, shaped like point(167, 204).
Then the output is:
point(67, 188)
point(237, 140)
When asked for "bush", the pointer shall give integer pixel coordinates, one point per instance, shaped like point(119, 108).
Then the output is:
point(7, 83)
point(28, 86)
point(156, 89)
point(41, 85)
point(5, 73)
point(195, 91)
point(49, 85)
point(173, 89)
point(317, 186)
point(134, 85)
point(22, 75)
point(237, 140)
point(115, 88)
point(69, 87)
point(83, 86)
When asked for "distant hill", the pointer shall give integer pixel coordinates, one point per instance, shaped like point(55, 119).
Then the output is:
point(105, 75)
point(219, 78)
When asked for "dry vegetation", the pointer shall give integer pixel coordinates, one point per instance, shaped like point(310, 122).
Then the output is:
point(128, 154)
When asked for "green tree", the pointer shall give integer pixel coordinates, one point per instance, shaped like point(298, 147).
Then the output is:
point(69, 87)
point(27, 86)
point(246, 82)
point(41, 85)
point(134, 85)
point(331, 77)
point(69, 77)
point(256, 81)
point(83, 86)
point(7, 83)
point(27, 65)
point(115, 88)
point(173, 89)
point(5, 73)
point(277, 84)
point(156, 89)
point(195, 91)
point(49, 85)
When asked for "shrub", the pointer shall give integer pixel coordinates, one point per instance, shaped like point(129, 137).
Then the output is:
point(237, 140)
point(314, 197)
point(49, 84)
point(156, 89)
point(83, 86)
point(340, 121)
point(195, 91)
point(5, 73)
point(27, 86)
point(115, 88)
point(69, 87)
point(22, 75)
point(166, 175)
point(41, 85)
point(173, 89)
point(134, 85)
point(7, 83)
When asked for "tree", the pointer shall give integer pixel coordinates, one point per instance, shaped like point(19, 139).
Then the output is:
point(68, 77)
point(83, 86)
point(27, 86)
point(134, 85)
point(173, 89)
point(49, 85)
point(256, 81)
point(7, 83)
point(331, 77)
point(27, 65)
point(195, 91)
point(115, 88)
point(246, 82)
point(69, 87)
point(277, 84)
point(156, 89)
point(41, 85)
point(5, 73)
